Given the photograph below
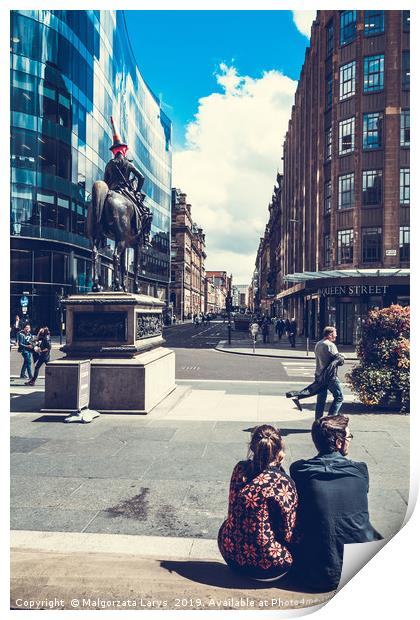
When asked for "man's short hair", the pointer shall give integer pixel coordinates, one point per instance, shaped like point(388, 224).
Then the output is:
point(326, 430)
point(328, 330)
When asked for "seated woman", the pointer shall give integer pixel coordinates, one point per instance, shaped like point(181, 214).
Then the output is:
point(254, 540)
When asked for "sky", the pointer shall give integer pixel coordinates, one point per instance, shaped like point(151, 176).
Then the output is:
point(227, 81)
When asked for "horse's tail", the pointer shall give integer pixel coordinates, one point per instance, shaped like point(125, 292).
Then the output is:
point(99, 194)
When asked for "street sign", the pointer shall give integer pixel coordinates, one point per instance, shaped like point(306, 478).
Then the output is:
point(24, 301)
point(390, 252)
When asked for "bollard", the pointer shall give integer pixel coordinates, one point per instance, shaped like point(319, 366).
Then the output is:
point(307, 347)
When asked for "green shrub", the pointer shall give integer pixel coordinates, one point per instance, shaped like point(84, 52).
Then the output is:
point(382, 376)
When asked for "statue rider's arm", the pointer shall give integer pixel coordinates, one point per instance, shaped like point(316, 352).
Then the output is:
point(140, 178)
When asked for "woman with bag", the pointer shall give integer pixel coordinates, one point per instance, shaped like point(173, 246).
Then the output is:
point(42, 351)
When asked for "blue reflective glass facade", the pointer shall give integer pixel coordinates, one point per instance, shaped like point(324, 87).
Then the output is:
point(70, 71)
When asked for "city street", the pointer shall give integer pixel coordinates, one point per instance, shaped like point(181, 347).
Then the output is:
point(196, 358)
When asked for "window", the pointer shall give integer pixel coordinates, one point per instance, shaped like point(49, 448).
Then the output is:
point(21, 265)
point(329, 37)
point(371, 244)
point(346, 136)
point(373, 74)
point(328, 144)
point(404, 244)
point(372, 187)
point(405, 128)
point(405, 186)
point(405, 70)
point(346, 191)
point(406, 21)
point(327, 197)
point(345, 246)
point(347, 27)
point(47, 155)
point(327, 250)
point(374, 22)
point(372, 130)
point(328, 91)
point(60, 267)
point(23, 148)
point(347, 80)
point(42, 266)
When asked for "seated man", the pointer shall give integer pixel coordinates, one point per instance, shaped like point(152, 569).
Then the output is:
point(333, 504)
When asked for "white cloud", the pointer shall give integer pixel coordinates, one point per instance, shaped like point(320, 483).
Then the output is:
point(303, 21)
point(228, 168)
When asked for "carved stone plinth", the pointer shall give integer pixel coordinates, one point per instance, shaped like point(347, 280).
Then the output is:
point(111, 324)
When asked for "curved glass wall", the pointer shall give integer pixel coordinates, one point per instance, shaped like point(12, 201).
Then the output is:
point(70, 71)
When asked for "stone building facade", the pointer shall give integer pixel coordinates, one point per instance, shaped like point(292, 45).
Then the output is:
point(188, 285)
point(344, 216)
point(221, 282)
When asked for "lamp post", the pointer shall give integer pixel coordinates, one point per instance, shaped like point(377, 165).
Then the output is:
point(229, 309)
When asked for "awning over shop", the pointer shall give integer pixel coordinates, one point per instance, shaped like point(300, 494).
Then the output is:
point(346, 273)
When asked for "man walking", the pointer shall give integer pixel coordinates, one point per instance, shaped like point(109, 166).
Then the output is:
point(325, 352)
point(333, 504)
point(25, 347)
point(280, 326)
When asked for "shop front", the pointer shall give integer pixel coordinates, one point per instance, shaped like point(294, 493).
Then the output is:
point(344, 300)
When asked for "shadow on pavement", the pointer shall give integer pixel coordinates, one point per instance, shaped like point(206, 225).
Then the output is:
point(22, 403)
point(218, 574)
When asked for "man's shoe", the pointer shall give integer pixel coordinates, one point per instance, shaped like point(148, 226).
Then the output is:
point(297, 403)
point(288, 394)
point(30, 382)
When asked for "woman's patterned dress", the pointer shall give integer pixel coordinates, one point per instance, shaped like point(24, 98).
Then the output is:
point(261, 521)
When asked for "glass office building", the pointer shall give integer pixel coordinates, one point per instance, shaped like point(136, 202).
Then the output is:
point(70, 71)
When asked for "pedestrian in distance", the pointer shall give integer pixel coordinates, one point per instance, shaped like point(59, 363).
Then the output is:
point(25, 347)
point(333, 505)
point(256, 537)
point(292, 333)
point(265, 329)
point(280, 326)
point(42, 350)
point(16, 327)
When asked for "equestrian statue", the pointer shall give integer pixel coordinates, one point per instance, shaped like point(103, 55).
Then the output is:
point(118, 212)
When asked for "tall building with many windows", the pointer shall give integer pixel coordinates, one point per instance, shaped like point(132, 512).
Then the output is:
point(344, 224)
point(70, 71)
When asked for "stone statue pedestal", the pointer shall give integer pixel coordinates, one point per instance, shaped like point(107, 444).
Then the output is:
point(121, 334)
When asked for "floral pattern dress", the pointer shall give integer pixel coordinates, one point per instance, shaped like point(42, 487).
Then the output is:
point(261, 521)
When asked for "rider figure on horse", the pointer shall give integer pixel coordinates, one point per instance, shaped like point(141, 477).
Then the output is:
point(118, 173)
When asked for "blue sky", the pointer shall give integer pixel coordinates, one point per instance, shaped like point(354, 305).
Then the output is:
point(227, 80)
point(178, 52)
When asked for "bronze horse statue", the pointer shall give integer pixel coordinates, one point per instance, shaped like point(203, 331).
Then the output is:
point(112, 214)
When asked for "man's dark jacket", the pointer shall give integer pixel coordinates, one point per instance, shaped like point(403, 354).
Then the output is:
point(332, 512)
point(328, 374)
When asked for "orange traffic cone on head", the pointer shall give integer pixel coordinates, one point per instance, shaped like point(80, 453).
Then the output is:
point(117, 142)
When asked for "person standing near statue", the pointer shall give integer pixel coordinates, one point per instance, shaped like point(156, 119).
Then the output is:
point(25, 348)
point(118, 176)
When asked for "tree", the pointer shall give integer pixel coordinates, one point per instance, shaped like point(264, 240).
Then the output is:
point(382, 376)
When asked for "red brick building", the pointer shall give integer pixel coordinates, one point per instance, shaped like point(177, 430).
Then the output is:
point(344, 224)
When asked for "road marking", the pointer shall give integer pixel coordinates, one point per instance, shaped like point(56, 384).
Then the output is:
point(190, 368)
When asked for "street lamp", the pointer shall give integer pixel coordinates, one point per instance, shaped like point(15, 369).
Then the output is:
point(229, 309)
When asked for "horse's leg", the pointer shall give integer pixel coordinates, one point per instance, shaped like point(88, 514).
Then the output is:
point(95, 260)
point(116, 285)
point(136, 268)
point(123, 268)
